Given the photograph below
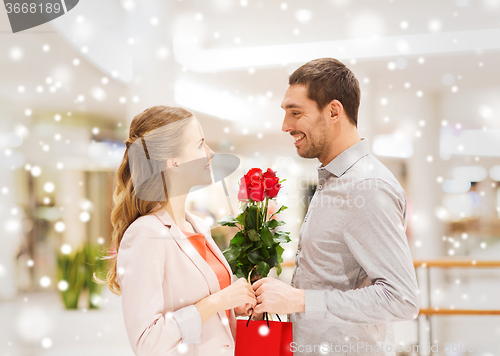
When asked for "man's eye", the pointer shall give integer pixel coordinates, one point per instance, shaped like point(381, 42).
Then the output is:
point(296, 113)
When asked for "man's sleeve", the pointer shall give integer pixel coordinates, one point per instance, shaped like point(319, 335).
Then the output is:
point(374, 231)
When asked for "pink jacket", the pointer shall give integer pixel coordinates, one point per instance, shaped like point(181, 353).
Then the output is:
point(162, 276)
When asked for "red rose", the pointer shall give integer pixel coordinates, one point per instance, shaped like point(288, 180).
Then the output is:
point(243, 192)
point(272, 187)
point(269, 174)
point(252, 186)
point(256, 190)
point(257, 185)
point(254, 175)
point(271, 183)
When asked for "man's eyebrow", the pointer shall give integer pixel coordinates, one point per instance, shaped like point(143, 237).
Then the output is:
point(291, 106)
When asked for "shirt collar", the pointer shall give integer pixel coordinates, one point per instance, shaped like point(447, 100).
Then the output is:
point(346, 159)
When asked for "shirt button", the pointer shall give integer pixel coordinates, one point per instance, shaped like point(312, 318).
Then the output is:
point(320, 186)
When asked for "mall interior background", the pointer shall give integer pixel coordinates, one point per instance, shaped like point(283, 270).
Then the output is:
point(429, 74)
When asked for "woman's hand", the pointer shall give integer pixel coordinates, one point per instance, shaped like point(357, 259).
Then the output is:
point(247, 309)
point(257, 316)
point(244, 310)
point(237, 294)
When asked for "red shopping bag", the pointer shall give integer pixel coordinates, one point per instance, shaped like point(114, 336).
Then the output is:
point(263, 338)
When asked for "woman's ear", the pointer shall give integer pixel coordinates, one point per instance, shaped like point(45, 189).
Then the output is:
point(172, 165)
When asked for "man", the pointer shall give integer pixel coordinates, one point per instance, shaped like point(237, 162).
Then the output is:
point(353, 273)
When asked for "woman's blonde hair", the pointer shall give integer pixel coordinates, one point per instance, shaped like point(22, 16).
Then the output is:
point(139, 188)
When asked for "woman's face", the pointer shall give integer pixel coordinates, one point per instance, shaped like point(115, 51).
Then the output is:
point(194, 162)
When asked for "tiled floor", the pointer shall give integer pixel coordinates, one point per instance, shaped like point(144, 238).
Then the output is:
point(38, 325)
point(32, 321)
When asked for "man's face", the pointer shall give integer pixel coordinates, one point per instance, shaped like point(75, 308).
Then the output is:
point(305, 122)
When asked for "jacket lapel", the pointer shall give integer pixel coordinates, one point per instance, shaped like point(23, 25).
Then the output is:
point(189, 250)
point(199, 262)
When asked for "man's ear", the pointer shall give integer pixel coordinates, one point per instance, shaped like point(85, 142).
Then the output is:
point(335, 108)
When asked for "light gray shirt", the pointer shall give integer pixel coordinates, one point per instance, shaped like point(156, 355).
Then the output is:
point(353, 260)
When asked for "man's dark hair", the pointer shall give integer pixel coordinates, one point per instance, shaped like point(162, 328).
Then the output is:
point(328, 79)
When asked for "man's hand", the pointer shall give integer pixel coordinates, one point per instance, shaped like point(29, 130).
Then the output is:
point(274, 296)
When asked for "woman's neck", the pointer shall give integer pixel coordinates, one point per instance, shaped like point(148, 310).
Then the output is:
point(176, 207)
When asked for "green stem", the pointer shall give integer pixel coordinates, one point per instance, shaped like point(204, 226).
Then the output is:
point(257, 224)
point(265, 210)
point(244, 223)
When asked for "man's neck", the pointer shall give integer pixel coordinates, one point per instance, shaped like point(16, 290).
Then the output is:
point(339, 146)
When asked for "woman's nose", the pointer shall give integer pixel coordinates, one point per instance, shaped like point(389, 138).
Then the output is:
point(210, 153)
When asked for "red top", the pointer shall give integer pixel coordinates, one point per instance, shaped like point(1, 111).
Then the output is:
point(200, 243)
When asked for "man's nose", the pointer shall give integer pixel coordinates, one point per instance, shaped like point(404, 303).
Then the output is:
point(286, 127)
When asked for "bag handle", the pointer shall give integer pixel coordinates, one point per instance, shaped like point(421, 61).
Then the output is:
point(266, 317)
point(265, 313)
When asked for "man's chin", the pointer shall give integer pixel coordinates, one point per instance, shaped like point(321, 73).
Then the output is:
point(305, 154)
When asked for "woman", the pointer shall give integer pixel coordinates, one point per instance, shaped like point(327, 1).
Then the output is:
point(174, 280)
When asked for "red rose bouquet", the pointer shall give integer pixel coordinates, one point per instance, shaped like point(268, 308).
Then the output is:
point(256, 247)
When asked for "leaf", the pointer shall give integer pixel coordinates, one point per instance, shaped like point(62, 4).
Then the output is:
point(273, 224)
point(264, 252)
point(279, 211)
point(272, 260)
point(278, 268)
point(282, 237)
point(251, 217)
point(241, 219)
point(234, 266)
point(253, 235)
point(246, 246)
point(279, 252)
point(255, 256)
point(267, 237)
point(272, 250)
point(246, 267)
point(263, 268)
point(238, 239)
point(232, 253)
point(239, 273)
point(227, 220)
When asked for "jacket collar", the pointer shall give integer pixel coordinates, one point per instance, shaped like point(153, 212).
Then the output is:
point(198, 223)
